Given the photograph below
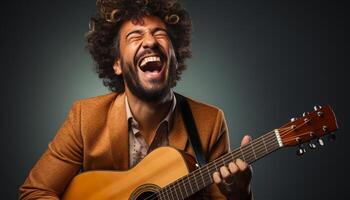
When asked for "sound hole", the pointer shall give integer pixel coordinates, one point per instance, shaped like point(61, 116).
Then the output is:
point(145, 192)
point(147, 195)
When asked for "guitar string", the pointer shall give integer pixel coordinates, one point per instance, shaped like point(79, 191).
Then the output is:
point(256, 152)
point(301, 134)
point(196, 171)
point(169, 190)
point(202, 183)
point(268, 141)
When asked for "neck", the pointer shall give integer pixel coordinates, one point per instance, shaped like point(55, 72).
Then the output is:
point(148, 114)
point(202, 177)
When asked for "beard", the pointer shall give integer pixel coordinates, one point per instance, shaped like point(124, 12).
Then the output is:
point(153, 94)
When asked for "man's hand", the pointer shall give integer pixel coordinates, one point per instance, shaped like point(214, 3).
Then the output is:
point(234, 180)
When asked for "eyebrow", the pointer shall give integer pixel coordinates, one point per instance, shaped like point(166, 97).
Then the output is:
point(139, 31)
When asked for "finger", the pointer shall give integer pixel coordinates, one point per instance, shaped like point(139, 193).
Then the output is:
point(245, 170)
point(232, 167)
point(224, 172)
point(245, 140)
point(242, 166)
point(216, 177)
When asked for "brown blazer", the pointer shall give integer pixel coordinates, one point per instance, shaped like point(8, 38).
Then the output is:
point(95, 136)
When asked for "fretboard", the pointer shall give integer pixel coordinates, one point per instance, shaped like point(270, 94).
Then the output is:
point(202, 177)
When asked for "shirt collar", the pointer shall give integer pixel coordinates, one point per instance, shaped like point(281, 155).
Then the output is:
point(168, 119)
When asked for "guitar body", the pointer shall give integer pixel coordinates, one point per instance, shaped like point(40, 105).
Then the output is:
point(158, 169)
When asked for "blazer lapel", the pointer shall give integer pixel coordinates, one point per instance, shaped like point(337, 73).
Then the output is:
point(118, 131)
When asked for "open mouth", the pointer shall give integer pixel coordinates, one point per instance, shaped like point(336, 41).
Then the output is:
point(152, 64)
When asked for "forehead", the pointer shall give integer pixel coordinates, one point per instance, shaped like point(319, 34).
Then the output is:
point(145, 23)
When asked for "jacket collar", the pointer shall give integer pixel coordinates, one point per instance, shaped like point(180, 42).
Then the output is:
point(117, 127)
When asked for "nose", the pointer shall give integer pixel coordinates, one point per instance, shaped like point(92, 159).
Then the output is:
point(149, 41)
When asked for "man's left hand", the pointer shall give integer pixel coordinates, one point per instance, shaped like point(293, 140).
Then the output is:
point(234, 180)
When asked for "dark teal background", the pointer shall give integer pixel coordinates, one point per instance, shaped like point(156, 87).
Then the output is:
point(262, 62)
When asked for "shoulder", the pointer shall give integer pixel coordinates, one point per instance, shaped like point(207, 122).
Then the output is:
point(94, 107)
point(98, 100)
point(211, 124)
point(203, 110)
point(209, 118)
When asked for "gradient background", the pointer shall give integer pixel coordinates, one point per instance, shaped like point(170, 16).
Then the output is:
point(262, 62)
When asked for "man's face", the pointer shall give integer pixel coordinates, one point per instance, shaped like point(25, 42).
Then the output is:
point(147, 60)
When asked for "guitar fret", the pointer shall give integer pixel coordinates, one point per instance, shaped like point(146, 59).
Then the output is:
point(205, 173)
point(175, 189)
point(161, 195)
point(252, 150)
point(273, 146)
point(195, 180)
point(261, 152)
point(246, 152)
point(202, 177)
point(232, 157)
point(223, 161)
point(210, 178)
point(182, 196)
point(188, 178)
point(207, 179)
point(257, 149)
point(171, 193)
point(166, 194)
point(263, 140)
point(260, 149)
point(183, 182)
point(240, 149)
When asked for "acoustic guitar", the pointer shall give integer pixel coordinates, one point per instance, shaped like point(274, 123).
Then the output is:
point(167, 173)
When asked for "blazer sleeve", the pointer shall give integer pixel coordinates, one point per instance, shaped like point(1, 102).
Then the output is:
point(219, 145)
point(59, 164)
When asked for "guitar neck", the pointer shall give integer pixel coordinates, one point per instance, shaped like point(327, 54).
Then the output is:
point(202, 177)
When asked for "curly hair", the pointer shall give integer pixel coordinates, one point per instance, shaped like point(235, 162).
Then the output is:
point(103, 40)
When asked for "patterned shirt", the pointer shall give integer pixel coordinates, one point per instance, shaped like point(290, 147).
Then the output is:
point(138, 147)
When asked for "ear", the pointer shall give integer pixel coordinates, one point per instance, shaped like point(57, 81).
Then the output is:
point(117, 67)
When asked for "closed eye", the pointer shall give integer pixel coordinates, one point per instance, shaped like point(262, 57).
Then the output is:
point(134, 37)
point(160, 33)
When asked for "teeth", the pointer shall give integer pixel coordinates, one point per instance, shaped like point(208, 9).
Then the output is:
point(149, 59)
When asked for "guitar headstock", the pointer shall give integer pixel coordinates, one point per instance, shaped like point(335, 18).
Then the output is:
point(312, 125)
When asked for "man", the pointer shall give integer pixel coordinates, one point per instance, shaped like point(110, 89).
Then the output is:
point(139, 48)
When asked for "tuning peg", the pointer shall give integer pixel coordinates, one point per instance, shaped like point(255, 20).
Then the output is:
point(331, 137)
point(293, 119)
point(320, 114)
point(320, 142)
point(317, 108)
point(312, 145)
point(301, 150)
point(325, 128)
